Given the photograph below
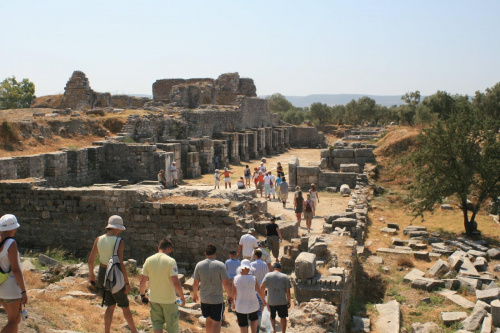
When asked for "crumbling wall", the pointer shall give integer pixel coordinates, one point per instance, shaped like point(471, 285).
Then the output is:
point(192, 93)
point(72, 218)
point(79, 96)
point(255, 113)
point(339, 158)
point(162, 89)
point(306, 137)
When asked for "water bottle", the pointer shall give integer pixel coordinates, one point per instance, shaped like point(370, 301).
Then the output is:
point(179, 302)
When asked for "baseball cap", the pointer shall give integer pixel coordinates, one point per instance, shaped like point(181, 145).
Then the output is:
point(251, 230)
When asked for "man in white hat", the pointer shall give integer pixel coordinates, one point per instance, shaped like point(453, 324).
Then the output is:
point(248, 243)
point(104, 246)
point(12, 290)
point(173, 171)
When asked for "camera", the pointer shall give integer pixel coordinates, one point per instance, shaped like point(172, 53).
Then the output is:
point(24, 314)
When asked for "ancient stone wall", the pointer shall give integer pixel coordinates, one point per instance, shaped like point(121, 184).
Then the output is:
point(162, 89)
point(306, 137)
point(254, 113)
point(304, 176)
point(336, 157)
point(78, 95)
point(72, 218)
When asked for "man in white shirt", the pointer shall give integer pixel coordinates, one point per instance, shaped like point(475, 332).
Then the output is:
point(248, 243)
point(173, 171)
point(267, 186)
point(266, 255)
point(273, 185)
point(260, 267)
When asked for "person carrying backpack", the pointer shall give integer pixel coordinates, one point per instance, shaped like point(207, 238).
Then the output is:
point(106, 246)
point(12, 289)
point(248, 175)
point(308, 211)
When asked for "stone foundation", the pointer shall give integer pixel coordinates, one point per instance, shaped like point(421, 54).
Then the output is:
point(72, 218)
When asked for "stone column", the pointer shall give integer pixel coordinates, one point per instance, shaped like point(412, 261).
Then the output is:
point(243, 146)
point(261, 141)
point(220, 149)
point(269, 141)
point(292, 172)
point(252, 144)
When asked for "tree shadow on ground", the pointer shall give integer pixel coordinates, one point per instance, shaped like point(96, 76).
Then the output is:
point(368, 290)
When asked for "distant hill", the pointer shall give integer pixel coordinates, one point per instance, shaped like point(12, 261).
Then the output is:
point(341, 99)
point(140, 95)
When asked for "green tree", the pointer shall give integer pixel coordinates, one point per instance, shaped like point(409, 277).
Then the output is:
point(407, 112)
point(321, 113)
point(458, 157)
point(441, 103)
point(366, 108)
point(15, 94)
point(338, 114)
point(489, 102)
point(278, 103)
point(352, 115)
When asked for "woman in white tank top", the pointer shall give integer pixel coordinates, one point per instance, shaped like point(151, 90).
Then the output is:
point(12, 291)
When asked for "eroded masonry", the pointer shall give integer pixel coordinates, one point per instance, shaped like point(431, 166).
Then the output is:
point(63, 199)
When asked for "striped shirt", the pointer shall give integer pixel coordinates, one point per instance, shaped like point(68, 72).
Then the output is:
point(261, 270)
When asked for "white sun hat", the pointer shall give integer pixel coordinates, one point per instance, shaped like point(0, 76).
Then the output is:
point(8, 222)
point(245, 263)
point(115, 222)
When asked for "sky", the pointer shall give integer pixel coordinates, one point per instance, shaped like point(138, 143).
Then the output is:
point(291, 47)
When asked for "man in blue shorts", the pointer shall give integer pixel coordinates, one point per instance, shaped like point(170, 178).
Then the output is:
point(210, 275)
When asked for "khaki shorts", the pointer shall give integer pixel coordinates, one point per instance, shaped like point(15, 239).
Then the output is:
point(308, 215)
point(119, 298)
point(165, 314)
point(284, 196)
point(260, 185)
point(8, 301)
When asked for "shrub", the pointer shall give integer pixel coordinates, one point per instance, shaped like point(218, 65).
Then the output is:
point(405, 262)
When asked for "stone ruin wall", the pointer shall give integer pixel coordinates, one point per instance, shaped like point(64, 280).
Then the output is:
point(72, 218)
point(192, 93)
point(78, 95)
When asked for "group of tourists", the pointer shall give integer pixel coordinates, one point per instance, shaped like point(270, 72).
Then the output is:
point(305, 207)
point(173, 171)
point(245, 281)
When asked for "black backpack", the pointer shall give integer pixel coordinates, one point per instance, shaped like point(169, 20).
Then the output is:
point(308, 206)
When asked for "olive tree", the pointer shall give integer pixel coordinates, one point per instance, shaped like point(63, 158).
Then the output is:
point(458, 157)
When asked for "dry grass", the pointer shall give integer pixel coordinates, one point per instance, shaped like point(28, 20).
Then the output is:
point(33, 147)
point(405, 262)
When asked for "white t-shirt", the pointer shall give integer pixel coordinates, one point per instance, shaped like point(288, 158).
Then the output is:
point(267, 180)
point(173, 169)
point(246, 298)
point(9, 289)
point(249, 243)
point(273, 179)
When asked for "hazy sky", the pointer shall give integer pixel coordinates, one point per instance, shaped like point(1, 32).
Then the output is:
point(291, 47)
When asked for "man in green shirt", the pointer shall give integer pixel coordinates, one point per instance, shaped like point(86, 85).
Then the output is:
point(161, 270)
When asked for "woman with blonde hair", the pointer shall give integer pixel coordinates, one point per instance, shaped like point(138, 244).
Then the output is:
point(314, 197)
point(12, 290)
